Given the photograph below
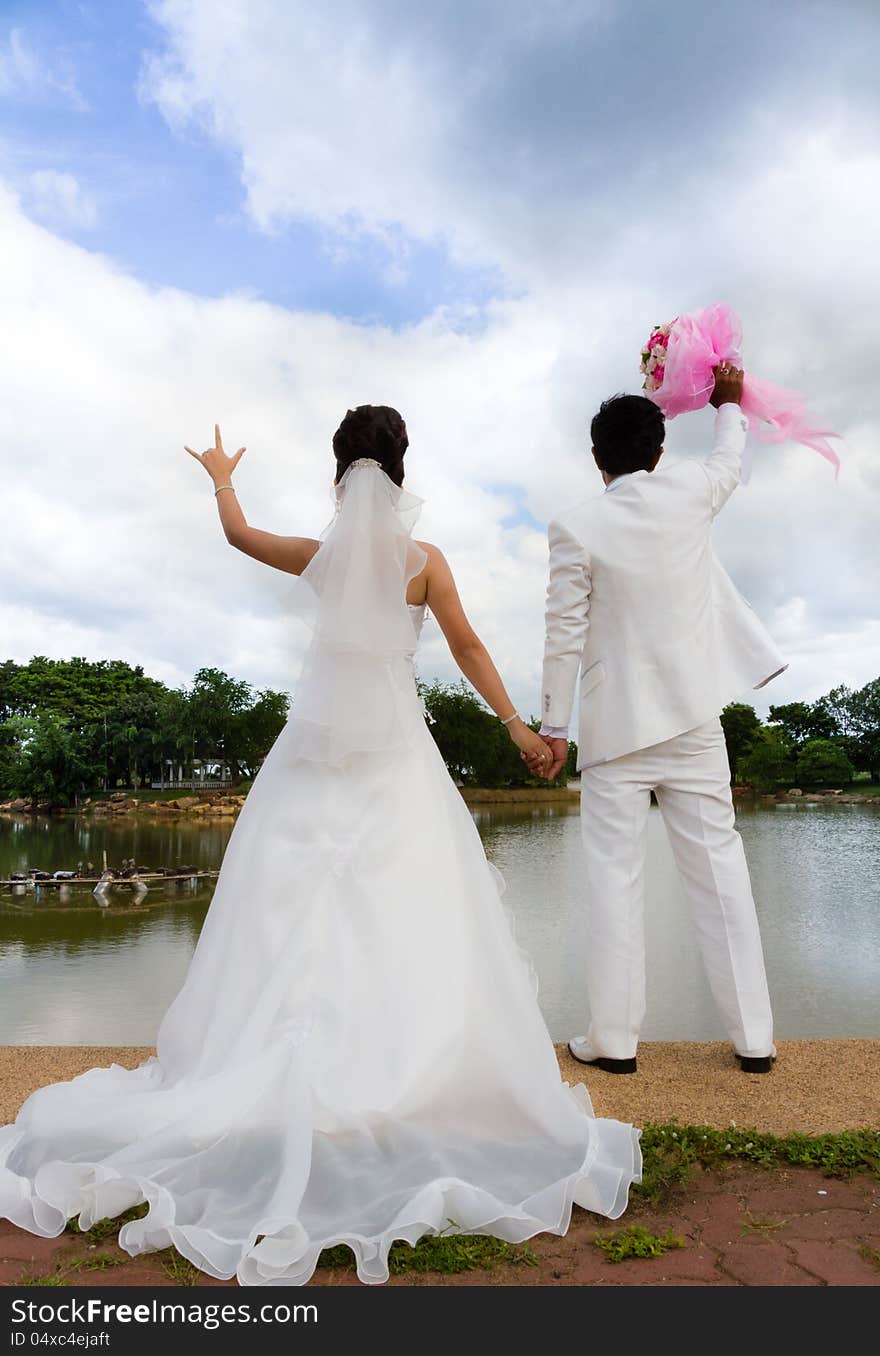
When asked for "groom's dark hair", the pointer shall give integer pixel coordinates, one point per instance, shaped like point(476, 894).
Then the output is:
point(376, 431)
point(627, 434)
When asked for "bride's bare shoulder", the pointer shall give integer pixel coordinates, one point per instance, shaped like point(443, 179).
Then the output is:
point(426, 581)
point(436, 566)
point(433, 552)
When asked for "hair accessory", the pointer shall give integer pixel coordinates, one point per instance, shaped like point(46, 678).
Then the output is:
point(366, 461)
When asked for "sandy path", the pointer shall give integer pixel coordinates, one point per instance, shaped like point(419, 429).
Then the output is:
point(815, 1087)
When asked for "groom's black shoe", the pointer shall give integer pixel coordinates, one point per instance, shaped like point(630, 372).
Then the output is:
point(615, 1066)
point(612, 1065)
point(756, 1063)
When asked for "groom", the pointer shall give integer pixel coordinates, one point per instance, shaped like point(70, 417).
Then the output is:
point(639, 603)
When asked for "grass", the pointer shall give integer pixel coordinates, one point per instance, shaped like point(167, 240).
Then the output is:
point(671, 1152)
point(104, 1228)
point(634, 1241)
point(871, 1255)
point(178, 1268)
point(761, 1224)
point(50, 1278)
point(144, 792)
point(97, 1261)
point(445, 1253)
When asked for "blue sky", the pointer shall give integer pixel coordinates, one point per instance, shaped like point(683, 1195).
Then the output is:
point(263, 213)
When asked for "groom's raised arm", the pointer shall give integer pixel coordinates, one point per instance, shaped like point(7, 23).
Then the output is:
point(723, 466)
point(731, 427)
point(566, 619)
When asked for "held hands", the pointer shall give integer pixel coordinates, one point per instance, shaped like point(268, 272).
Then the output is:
point(531, 746)
point(544, 756)
point(215, 460)
point(728, 385)
point(551, 767)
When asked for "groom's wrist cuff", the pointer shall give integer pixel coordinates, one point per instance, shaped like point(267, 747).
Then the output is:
point(730, 413)
point(554, 731)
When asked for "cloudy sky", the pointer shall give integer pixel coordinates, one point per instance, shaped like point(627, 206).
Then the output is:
point(261, 212)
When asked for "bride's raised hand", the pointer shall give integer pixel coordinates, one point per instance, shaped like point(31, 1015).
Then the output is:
point(215, 460)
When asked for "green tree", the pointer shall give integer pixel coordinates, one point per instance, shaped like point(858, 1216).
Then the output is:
point(215, 705)
point(459, 725)
point(769, 762)
point(9, 671)
point(839, 704)
point(259, 727)
point(864, 743)
point(55, 763)
point(740, 724)
point(474, 744)
point(79, 689)
point(800, 721)
point(172, 736)
point(124, 726)
point(126, 732)
point(822, 762)
point(10, 756)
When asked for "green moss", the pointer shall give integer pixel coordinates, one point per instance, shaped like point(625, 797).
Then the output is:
point(635, 1241)
point(96, 1261)
point(671, 1152)
point(445, 1253)
point(463, 1252)
point(103, 1228)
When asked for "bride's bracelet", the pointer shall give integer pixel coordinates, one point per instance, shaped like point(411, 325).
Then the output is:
point(515, 716)
point(223, 487)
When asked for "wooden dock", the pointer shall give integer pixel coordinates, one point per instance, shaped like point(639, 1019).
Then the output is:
point(144, 876)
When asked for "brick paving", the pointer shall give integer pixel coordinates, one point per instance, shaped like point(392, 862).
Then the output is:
point(743, 1226)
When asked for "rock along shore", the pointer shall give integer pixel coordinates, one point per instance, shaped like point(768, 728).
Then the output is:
point(204, 804)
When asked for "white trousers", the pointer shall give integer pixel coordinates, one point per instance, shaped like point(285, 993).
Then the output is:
point(691, 777)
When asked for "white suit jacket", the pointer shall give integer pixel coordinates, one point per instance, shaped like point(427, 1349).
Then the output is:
point(639, 604)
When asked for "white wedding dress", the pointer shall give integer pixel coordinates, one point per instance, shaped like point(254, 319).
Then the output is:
point(357, 1054)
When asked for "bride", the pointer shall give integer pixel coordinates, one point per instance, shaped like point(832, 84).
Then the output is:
point(357, 1054)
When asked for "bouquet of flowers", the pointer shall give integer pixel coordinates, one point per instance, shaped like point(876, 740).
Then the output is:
point(654, 357)
point(679, 361)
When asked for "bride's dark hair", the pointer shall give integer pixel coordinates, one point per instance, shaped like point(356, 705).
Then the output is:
point(375, 431)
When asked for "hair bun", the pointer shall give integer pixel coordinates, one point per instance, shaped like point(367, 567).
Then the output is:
point(374, 431)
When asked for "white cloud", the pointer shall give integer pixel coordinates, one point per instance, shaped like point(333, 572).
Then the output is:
point(57, 197)
point(367, 118)
point(18, 66)
point(28, 74)
point(348, 100)
point(111, 544)
point(111, 538)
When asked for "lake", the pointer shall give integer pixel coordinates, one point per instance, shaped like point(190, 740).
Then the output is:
point(74, 975)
